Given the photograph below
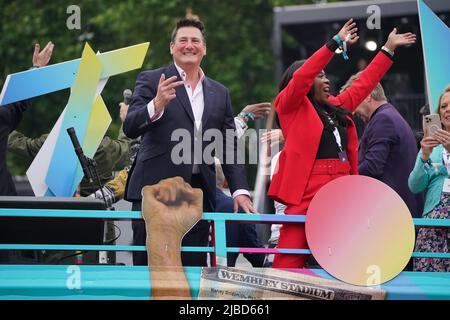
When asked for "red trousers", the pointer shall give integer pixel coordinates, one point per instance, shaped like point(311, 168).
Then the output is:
point(293, 236)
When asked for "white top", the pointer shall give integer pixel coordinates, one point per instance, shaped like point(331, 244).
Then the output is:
point(197, 101)
point(279, 207)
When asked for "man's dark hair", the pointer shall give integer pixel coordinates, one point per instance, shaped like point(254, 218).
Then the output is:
point(186, 22)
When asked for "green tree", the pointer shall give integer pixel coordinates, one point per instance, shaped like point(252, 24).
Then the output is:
point(238, 41)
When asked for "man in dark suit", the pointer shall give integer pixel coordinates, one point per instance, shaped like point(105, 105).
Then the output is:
point(388, 149)
point(180, 101)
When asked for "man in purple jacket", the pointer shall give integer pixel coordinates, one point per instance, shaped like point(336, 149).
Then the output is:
point(387, 150)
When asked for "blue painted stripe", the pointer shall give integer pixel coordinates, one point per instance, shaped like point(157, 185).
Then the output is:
point(39, 81)
point(432, 222)
point(269, 251)
point(220, 241)
point(61, 76)
point(102, 214)
point(253, 217)
point(57, 213)
point(75, 247)
point(431, 255)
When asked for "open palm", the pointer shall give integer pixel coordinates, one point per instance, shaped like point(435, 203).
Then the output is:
point(396, 40)
point(348, 33)
point(42, 58)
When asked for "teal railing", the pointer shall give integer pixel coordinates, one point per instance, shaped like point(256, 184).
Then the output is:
point(219, 220)
point(133, 282)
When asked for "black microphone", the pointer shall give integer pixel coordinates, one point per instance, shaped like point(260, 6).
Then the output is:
point(127, 93)
point(79, 152)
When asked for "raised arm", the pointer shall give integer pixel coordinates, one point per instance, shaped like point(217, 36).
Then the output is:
point(303, 78)
point(352, 97)
point(12, 113)
point(170, 209)
point(151, 95)
point(419, 178)
point(23, 146)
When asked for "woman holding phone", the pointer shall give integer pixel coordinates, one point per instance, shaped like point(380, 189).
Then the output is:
point(432, 175)
point(321, 140)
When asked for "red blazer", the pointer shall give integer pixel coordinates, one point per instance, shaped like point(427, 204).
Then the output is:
point(302, 127)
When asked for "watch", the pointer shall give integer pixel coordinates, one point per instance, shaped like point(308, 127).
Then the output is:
point(387, 50)
point(427, 163)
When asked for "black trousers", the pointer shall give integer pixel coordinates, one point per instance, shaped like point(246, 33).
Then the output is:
point(196, 237)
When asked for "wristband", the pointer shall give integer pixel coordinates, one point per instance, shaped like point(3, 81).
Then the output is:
point(338, 40)
point(427, 163)
point(387, 51)
point(247, 116)
point(342, 46)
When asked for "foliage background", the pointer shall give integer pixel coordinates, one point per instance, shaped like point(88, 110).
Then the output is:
point(238, 40)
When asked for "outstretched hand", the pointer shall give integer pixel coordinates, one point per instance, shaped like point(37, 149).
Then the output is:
point(41, 59)
point(123, 111)
point(396, 40)
point(274, 136)
point(348, 33)
point(244, 202)
point(258, 109)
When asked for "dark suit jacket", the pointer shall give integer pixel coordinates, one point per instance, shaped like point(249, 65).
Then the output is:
point(388, 151)
point(154, 162)
point(10, 116)
point(242, 235)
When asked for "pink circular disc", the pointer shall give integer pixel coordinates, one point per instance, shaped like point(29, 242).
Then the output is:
point(360, 230)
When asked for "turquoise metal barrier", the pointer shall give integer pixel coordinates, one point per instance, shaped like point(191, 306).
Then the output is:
point(218, 219)
point(123, 282)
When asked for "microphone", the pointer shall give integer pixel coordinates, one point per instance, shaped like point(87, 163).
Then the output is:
point(79, 152)
point(127, 93)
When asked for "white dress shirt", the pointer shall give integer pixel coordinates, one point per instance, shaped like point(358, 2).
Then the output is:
point(198, 105)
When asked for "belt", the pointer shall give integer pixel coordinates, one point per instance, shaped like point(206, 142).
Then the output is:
point(330, 166)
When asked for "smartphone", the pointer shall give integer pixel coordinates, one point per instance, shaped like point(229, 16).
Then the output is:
point(431, 123)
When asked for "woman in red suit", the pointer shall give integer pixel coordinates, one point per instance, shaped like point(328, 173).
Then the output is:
point(321, 140)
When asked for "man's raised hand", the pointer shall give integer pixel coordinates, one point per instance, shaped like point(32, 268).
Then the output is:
point(166, 92)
